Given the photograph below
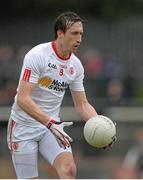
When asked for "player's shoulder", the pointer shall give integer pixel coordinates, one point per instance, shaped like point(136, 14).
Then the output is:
point(40, 49)
point(76, 60)
point(37, 55)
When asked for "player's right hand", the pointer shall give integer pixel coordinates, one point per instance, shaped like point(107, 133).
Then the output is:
point(57, 129)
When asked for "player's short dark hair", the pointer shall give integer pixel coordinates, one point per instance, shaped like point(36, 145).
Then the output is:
point(65, 20)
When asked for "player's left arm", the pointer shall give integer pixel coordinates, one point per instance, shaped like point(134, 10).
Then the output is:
point(82, 106)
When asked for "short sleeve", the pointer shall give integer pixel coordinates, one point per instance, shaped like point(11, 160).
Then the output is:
point(77, 84)
point(32, 68)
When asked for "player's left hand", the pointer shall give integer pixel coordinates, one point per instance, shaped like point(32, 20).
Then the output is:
point(57, 129)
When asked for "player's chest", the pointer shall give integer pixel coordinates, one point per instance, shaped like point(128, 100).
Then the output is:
point(60, 71)
point(57, 76)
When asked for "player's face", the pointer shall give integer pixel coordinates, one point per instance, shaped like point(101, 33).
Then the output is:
point(73, 37)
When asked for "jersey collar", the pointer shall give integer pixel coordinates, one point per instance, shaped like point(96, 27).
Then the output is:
point(56, 52)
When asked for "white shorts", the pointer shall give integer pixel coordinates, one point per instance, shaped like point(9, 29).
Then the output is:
point(25, 142)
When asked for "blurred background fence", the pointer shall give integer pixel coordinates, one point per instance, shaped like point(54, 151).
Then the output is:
point(111, 53)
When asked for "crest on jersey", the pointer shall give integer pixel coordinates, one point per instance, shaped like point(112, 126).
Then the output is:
point(71, 70)
point(45, 81)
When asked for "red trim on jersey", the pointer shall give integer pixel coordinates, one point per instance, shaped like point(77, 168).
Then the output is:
point(55, 50)
point(11, 130)
point(26, 75)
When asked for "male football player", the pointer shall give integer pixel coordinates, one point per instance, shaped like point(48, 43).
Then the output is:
point(34, 125)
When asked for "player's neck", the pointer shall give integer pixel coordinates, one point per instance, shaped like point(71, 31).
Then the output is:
point(61, 49)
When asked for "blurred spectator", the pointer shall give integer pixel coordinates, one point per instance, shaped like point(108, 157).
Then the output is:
point(115, 93)
point(20, 55)
point(4, 99)
point(11, 91)
point(111, 70)
point(8, 73)
point(7, 64)
point(129, 86)
point(92, 61)
point(7, 93)
point(10, 65)
point(132, 166)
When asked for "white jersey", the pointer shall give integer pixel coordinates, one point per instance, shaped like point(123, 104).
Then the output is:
point(53, 75)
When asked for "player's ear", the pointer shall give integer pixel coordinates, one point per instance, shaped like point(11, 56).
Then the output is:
point(60, 33)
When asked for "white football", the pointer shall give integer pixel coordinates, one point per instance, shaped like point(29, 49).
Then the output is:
point(99, 131)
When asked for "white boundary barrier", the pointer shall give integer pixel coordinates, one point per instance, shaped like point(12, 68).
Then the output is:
point(67, 113)
point(123, 114)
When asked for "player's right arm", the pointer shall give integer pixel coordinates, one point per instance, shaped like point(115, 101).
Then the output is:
point(26, 103)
